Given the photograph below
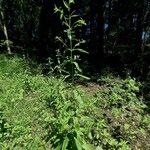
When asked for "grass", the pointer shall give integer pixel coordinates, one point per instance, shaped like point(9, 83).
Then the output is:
point(40, 112)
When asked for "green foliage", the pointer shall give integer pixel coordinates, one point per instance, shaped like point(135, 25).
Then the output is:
point(13, 65)
point(68, 61)
point(111, 119)
point(124, 109)
point(39, 112)
point(18, 109)
point(66, 106)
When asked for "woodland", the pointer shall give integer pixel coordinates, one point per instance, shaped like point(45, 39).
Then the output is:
point(74, 75)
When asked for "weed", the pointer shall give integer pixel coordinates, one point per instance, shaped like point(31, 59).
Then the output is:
point(68, 60)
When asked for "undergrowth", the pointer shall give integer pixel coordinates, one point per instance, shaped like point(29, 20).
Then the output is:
point(40, 112)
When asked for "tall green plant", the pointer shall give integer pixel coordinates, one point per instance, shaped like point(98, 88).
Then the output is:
point(68, 64)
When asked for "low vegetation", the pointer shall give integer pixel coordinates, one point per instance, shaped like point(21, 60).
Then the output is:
point(40, 112)
point(76, 75)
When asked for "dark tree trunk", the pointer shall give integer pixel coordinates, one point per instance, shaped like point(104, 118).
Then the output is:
point(100, 34)
point(139, 27)
point(97, 35)
point(48, 22)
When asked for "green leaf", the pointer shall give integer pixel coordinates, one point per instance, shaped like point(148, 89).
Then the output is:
point(74, 16)
point(61, 41)
point(99, 148)
point(61, 14)
point(58, 147)
point(80, 50)
point(65, 143)
point(56, 9)
point(66, 24)
point(78, 97)
point(66, 4)
point(79, 23)
point(82, 76)
point(71, 1)
point(88, 146)
point(77, 66)
point(78, 144)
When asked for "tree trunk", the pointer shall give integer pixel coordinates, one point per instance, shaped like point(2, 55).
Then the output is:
point(97, 35)
point(5, 32)
point(139, 27)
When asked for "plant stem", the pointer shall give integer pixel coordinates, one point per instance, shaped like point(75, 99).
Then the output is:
point(71, 47)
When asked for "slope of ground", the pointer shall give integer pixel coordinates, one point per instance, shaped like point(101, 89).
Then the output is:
point(40, 112)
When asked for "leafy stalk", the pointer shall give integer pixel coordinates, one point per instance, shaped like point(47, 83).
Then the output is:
point(71, 42)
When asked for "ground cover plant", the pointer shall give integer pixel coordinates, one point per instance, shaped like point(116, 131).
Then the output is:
point(75, 75)
point(44, 112)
